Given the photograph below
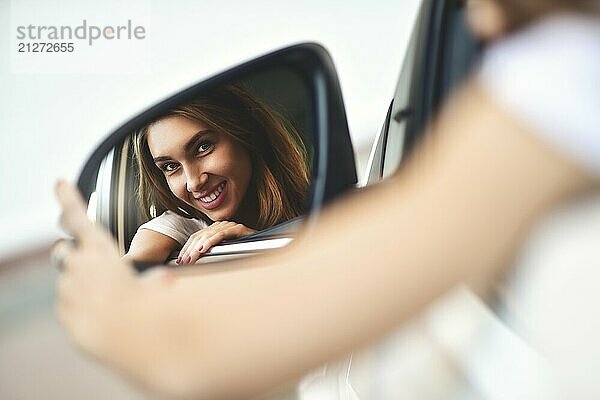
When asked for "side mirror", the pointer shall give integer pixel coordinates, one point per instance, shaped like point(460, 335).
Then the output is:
point(284, 114)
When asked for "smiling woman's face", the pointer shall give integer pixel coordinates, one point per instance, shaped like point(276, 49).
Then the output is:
point(206, 169)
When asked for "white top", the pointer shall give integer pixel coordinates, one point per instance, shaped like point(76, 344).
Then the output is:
point(551, 297)
point(549, 76)
point(174, 226)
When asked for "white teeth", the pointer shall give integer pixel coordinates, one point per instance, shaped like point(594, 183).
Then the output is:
point(213, 195)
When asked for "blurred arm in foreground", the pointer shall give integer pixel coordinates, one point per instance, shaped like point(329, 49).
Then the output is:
point(456, 212)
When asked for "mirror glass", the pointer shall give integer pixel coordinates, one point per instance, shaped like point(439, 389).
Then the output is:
point(240, 151)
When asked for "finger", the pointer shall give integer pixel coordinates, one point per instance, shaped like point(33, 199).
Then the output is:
point(216, 239)
point(74, 217)
point(183, 252)
point(232, 230)
point(64, 289)
point(62, 285)
point(238, 231)
point(192, 249)
point(60, 251)
point(184, 249)
point(194, 245)
point(196, 251)
point(74, 262)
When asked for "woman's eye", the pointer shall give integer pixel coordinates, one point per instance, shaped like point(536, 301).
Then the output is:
point(205, 147)
point(169, 167)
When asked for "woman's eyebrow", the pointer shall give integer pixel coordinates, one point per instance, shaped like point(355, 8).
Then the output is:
point(161, 158)
point(189, 146)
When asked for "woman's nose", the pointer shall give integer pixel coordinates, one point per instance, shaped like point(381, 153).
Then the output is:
point(195, 180)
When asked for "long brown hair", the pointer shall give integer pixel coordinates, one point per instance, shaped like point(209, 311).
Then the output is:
point(280, 172)
point(520, 12)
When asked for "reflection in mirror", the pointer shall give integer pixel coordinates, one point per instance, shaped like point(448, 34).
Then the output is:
point(233, 160)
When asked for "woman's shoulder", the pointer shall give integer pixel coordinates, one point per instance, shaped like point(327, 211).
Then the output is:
point(555, 46)
point(174, 219)
point(173, 216)
point(175, 226)
point(548, 76)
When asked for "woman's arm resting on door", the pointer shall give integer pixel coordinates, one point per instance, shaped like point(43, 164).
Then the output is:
point(151, 247)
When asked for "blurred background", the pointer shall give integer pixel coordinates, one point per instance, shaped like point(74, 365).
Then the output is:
point(54, 110)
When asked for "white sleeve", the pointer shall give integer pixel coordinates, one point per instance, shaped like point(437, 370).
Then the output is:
point(548, 76)
point(174, 226)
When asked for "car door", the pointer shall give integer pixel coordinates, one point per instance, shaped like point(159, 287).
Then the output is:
point(440, 53)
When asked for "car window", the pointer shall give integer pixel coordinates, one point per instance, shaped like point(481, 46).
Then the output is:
point(388, 147)
point(441, 52)
point(394, 143)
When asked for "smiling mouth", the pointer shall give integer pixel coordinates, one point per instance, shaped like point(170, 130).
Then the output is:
point(214, 198)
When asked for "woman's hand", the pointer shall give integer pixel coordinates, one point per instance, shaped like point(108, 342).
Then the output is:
point(203, 240)
point(95, 285)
